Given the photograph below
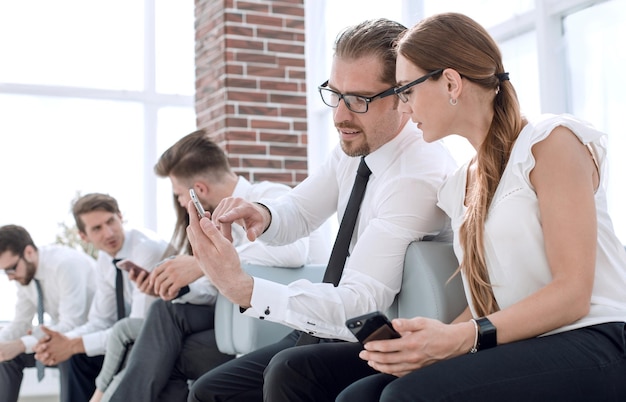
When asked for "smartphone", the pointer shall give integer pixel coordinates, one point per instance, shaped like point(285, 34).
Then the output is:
point(128, 266)
point(196, 202)
point(183, 291)
point(371, 327)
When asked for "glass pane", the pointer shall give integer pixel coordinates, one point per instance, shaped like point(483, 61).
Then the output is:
point(486, 12)
point(520, 60)
point(100, 46)
point(175, 47)
point(597, 85)
point(174, 123)
point(59, 147)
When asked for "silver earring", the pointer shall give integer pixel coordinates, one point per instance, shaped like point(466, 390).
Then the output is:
point(453, 101)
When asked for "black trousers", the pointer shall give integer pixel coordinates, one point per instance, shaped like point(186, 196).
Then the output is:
point(78, 377)
point(587, 364)
point(283, 372)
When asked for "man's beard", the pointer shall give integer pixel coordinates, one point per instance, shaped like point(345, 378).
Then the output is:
point(31, 269)
point(348, 148)
point(361, 150)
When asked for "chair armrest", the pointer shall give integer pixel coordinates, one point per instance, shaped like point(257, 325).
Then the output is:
point(426, 291)
point(236, 333)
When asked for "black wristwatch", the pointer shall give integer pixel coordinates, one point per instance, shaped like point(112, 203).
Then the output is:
point(487, 334)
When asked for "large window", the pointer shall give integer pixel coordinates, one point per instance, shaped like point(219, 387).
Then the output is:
point(90, 94)
point(596, 83)
point(561, 56)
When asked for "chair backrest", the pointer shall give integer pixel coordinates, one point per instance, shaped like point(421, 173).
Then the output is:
point(425, 292)
point(429, 288)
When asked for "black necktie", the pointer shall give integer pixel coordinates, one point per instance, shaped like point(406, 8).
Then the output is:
point(41, 369)
point(340, 253)
point(119, 290)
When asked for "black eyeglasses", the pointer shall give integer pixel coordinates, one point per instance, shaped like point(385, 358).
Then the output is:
point(401, 90)
point(355, 103)
point(13, 269)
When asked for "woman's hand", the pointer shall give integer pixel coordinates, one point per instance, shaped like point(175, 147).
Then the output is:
point(424, 341)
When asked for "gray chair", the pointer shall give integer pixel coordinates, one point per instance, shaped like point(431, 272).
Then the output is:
point(425, 292)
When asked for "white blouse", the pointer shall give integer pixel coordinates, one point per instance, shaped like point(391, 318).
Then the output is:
point(513, 237)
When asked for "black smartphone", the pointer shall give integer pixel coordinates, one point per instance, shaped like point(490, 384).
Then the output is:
point(372, 327)
point(128, 265)
point(183, 291)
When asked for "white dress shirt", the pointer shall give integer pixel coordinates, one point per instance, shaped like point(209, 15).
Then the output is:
point(258, 253)
point(399, 207)
point(514, 242)
point(145, 249)
point(67, 282)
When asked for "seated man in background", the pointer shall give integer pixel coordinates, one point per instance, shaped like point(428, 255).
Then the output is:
point(182, 330)
point(79, 352)
point(65, 279)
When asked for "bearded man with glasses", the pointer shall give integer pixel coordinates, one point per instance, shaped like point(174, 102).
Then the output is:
point(66, 278)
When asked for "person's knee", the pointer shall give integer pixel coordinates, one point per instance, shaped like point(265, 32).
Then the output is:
point(279, 367)
point(397, 391)
point(14, 366)
point(200, 391)
point(157, 305)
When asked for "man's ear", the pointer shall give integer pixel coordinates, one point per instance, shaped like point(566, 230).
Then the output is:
point(201, 188)
point(83, 236)
point(454, 82)
point(28, 253)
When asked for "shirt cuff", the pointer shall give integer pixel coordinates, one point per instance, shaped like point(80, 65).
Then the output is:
point(272, 230)
point(29, 342)
point(200, 293)
point(268, 300)
point(95, 343)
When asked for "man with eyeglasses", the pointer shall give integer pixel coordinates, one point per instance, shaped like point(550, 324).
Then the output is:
point(67, 282)
point(398, 207)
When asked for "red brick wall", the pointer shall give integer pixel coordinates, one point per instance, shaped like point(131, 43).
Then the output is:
point(250, 84)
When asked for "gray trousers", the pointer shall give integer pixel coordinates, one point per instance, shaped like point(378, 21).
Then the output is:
point(121, 339)
point(176, 344)
point(12, 373)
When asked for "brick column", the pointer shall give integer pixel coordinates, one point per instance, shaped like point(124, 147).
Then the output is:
point(250, 85)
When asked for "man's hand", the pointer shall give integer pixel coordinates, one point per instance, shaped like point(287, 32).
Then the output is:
point(167, 278)
point(218, 259)
point(142, 280)
point(251, 216)
point(57, 348)
point(9, 350)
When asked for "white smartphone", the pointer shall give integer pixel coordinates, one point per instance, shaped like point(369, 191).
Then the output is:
point(196, 202)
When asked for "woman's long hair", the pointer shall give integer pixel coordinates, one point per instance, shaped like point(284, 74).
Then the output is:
point(452, 40)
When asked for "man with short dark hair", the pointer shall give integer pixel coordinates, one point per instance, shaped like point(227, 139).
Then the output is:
point(79, 352)
point(189, 349)
point(66, 281)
